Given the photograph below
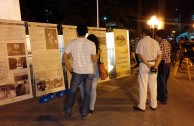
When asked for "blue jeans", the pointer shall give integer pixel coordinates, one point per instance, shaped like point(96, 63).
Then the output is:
point(162, 83)
point(76, 80)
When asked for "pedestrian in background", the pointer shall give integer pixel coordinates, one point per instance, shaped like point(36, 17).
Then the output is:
point(150, 56)
point(164, 67)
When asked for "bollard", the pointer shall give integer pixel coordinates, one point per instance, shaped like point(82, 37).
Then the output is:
point(67, 91)
point(43, 99)
point(59, 94)
point(50, 96)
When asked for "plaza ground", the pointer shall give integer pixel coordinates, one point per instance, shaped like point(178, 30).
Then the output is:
point(114, 106)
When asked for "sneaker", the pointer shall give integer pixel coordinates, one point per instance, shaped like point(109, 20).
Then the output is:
point(84, 117)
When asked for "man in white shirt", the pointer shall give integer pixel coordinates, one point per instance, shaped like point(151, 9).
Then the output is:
point(150, 55)
point(83, 52)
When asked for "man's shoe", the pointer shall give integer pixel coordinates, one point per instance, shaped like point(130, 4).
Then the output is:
point(152, 108)
point(84, 117)
point(138, 109)
point(91, 111)
point(162, 102)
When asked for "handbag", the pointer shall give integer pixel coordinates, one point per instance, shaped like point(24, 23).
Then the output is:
point(102, 70)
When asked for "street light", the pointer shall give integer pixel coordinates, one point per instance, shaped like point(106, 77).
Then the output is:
point(153, 23)
point(97, 13)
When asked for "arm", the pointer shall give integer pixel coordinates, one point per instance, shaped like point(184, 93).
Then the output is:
point(158, 60)
point(66, 61)
point(96, 56)
point(94, 59)
point(144, 60)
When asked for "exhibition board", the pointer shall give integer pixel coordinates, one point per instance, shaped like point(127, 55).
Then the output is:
point(69, 33)
point(10, 10)
point(15, 80)
point(121, 43)
point(32, 65)
point(46, 59)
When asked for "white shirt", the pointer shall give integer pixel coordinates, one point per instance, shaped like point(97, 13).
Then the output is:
point(149, 48)
point(81, 50)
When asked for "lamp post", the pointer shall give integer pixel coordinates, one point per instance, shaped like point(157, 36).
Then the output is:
point(153, 23)
point(97, 13)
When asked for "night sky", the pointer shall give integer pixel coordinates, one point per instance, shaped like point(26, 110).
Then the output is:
point(122, 12)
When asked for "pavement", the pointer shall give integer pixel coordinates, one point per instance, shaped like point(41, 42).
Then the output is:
point(114, 106)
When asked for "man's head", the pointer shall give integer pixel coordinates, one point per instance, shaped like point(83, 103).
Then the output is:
point(82, 29)
point(145, 32)
point(160, 34)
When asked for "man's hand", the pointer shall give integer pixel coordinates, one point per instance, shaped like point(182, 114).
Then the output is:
point(150, 65)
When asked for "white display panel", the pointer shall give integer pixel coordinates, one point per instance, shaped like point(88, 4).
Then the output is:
point(15, 80)
point(10, 9)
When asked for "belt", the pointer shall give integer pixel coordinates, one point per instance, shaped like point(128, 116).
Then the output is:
point(151, 60)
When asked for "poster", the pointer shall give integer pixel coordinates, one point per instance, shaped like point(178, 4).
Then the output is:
point(101, 34)
point(121, 52)
point(15, 84)
point(69, 33)
point(46, 59)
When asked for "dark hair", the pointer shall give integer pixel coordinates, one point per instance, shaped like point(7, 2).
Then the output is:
point(161, 33)
point(146, 31)
point(94, 39)
point(82, 29)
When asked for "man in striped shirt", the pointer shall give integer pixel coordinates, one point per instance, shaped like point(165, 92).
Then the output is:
point(164, 67)
point(83, 52)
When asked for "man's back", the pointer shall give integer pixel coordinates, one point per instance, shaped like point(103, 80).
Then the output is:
point(148, 47)
point(81, 50)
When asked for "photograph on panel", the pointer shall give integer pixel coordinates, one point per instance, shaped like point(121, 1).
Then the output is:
point(17, 63)
point(22, 85)
point(41, 85)
point(7, 91)
point(51, 38)
point(45, 85)
point(15, 49)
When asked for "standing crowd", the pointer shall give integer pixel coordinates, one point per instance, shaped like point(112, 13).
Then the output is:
point(154, 69)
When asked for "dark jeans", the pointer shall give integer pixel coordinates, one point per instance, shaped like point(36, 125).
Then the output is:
point(76, 80)
point(162, 83)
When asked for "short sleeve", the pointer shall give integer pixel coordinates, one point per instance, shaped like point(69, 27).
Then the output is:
point(159, 49)
point(139, 49)
point(68, 49)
